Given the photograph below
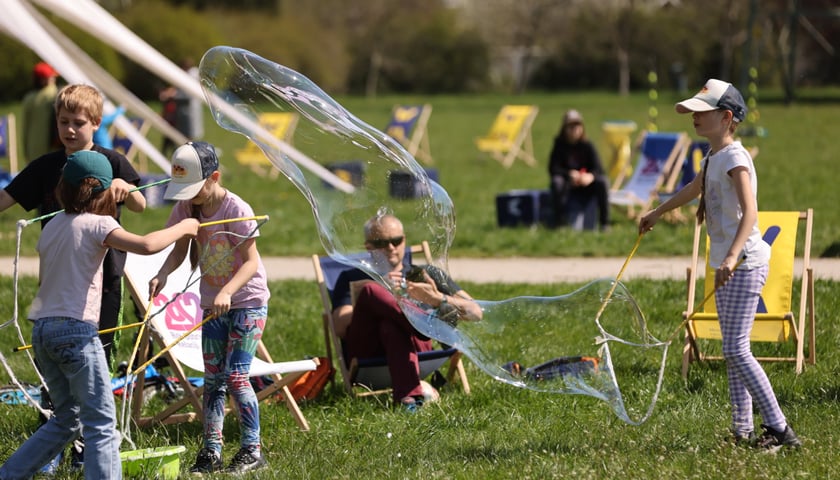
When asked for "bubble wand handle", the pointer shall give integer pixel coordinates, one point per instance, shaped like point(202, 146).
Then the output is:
point(106, 330)
point(165, 349)
point(618, 277)
point(135, 189)
point(263, 218)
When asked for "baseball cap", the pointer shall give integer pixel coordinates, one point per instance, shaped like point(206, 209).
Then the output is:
point(88, 164)
point(192, 163)
point(716, 94)
point(44, 70)
point(572, 116)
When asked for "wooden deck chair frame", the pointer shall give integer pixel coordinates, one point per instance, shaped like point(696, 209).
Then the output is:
point(409, 126)
point(358, 374)
point(509, 137)
point(682, 173)
point(779, 323)
point(638, 198)
point(282, 374)
point(280, 124)
point(8, 141)
point(133, 150)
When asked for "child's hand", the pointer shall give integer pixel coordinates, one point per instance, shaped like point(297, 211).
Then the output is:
point(647, 221)
point(221, 304)
point(156, 284)
point(190, 226)
point(121, 189)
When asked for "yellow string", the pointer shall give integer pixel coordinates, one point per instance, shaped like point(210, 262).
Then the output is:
point(690, 316)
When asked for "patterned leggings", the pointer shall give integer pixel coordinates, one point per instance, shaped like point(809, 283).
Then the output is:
point(229, 343)
point(736, 303)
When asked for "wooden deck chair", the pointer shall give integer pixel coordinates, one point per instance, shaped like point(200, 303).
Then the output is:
point(509, 137)
point(282, 125)
point(8, 141)
point(179, 316)
point(682, 174)
point(408, 125)
point(774, 319)
point(124, 145)
point(369, 376)
point(658, 152)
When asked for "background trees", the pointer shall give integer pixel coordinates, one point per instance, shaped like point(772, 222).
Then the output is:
point(450, 46)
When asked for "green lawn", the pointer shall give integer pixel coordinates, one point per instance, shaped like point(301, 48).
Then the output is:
point(503, 432)
point(794, 166)
point(499, 431)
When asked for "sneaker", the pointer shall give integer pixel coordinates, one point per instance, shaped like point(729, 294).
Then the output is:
point(52, 467)
point(77, 454)
point(207, 461)
point(412, 404)
point(745, 439)
point(774, 440)
point(246, 460)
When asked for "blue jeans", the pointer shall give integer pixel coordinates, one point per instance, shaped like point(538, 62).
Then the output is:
point(229, 343)
point(72, 361)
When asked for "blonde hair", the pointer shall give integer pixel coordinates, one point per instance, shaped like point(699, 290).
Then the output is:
point(79, 98)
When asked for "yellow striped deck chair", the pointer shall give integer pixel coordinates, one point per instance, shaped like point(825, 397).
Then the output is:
point(775, 320)
point(510, 135)
point(282, 126)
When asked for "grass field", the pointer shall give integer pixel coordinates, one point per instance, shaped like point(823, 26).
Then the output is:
point(503, 432)
point(794, 166)
point(499, 431)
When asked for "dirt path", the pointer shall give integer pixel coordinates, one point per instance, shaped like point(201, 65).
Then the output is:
point(508, 270)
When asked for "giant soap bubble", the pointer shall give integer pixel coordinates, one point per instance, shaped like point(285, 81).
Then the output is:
point(593, 341)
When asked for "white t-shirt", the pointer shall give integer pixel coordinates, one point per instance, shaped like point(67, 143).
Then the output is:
point(71, 249)
point(723, 211)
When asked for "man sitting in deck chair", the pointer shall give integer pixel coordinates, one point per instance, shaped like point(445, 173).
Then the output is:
point(374, 325)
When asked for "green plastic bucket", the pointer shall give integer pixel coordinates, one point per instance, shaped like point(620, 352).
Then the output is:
point(163, 463)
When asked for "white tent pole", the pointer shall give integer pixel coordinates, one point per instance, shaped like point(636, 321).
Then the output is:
point(90, 16)
point(23, 26)
point(109, 84)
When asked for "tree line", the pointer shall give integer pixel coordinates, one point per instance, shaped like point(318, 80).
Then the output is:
point(457, 46)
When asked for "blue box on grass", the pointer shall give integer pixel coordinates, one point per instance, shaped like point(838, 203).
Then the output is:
point(352, 172)
point(403, 185)
point(522, 207)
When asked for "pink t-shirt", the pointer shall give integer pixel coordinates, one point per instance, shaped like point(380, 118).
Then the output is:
point(71, 249)
point(219, 257)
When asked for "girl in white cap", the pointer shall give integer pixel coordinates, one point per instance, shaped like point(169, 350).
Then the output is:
point(234, 291)
point(727, 189)
point(65, 313)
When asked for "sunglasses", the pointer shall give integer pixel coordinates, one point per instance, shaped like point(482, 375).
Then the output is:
point(383, 242)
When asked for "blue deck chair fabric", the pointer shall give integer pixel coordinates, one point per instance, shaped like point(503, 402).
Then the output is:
point(658, 152)
point(371, 374)
point(689, 169)
point(408, 125)
point(8, 141)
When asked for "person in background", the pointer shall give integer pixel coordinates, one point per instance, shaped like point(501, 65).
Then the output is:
point(181, 110)
point(727, 187)
point(38, 125)
point(65, 313)
point(376, 326)
point(102, 136)
point(574, 168)
point(234, 294)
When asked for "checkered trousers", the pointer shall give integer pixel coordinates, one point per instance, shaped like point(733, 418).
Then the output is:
point(736, 303)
